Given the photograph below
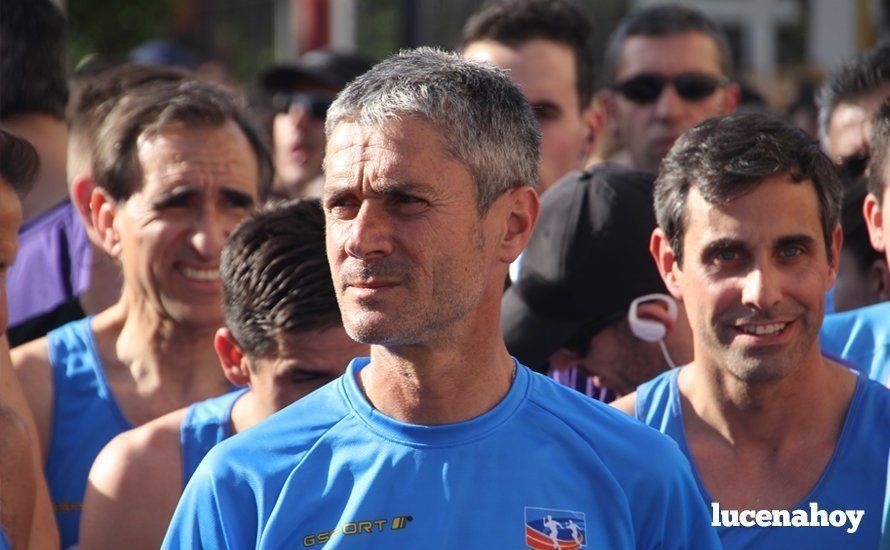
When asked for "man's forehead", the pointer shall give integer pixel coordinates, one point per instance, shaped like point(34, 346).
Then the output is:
point(774, 205)
point(669, 54)
point(540, 67)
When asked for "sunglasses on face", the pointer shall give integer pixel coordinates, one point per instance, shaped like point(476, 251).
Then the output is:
point(647, 87)
point(315, 104)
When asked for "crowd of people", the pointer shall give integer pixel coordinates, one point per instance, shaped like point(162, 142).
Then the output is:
point(440, 300)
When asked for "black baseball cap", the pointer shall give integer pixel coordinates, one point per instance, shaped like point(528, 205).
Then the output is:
point(318, 68)
point(587, 260)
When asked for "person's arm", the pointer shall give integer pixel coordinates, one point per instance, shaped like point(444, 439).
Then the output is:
point(44, 531)
point(31, 364)
point(669, 509)
point(217, 510)
point(133, 488)
point(626, 404)
point(17, 478)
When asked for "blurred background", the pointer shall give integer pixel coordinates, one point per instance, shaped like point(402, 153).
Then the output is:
point(780, 46)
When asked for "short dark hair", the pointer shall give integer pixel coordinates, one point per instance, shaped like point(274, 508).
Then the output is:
point(93, 96)
point(276, 278)
point(515, 22)
point(33, 59)
point(664, 20)
point(879, 146)
point(145, 111)
point(727, 157)
point(19, 163)
point(860, 76)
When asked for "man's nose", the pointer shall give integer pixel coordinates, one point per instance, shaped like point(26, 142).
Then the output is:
point(669, 103)
point(211, 229)
point(761, 288)
point(370, 233)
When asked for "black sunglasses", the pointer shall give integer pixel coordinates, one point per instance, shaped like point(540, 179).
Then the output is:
point(647, 87)
point(316, 104)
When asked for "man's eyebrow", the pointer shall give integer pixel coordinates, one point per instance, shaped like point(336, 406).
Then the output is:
point(545, 106)
point(238, 197)
point(802, 240)
point(721, 244)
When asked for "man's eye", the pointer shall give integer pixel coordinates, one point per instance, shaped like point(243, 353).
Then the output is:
point(791, 252)
point(725, 256)
point(545, 112)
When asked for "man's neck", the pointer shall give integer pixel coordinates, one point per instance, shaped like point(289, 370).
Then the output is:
point(158, 352)
point(435, 385)
point(803, 404)
point(104, 288)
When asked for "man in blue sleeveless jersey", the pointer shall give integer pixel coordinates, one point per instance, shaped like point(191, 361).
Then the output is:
point(785, 444)
point(440, 439)
point(283, 338)
point(177, 166)
point(862, 335)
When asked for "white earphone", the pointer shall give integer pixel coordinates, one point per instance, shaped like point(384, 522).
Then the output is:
point(650, 330)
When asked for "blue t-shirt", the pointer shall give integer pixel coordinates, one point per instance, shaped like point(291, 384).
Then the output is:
point(205, 424)
point(545, 464)
point(853, 480)
point(861, 336)
point(85, 418)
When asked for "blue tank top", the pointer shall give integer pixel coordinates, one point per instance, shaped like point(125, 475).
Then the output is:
point(853, 480)
point(205, 424)
point(85, 418)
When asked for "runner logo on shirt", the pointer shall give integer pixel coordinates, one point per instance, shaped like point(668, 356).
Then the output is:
point(549, 529)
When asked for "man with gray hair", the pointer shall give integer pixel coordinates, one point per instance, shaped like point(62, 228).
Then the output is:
point(440, 438)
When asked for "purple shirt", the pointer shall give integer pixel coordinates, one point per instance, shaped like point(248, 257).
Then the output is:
point(52, 266)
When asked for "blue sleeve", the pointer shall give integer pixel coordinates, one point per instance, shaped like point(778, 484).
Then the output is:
point(211, 513)
point(672, 512)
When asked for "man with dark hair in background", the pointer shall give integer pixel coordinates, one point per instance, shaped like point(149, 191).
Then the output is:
point(848, 100)
point(667, 68)
point(748, 238)
point(569, 313)
point(862, 336)
point(545, 47)
point(26, 519)
point(299, 95)
point(283, 338)
point(92, 98)
point(33, 94)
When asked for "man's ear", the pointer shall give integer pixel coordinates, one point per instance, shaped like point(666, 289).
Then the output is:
point(663, 253)
point(232, 359)
point(610, 121)
point(81, 196)
point(837, 239)
point(103, 210)
point(732, 98)
point(592, 118)
point(871, 209)
point(521, 209)
point(657, 310)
